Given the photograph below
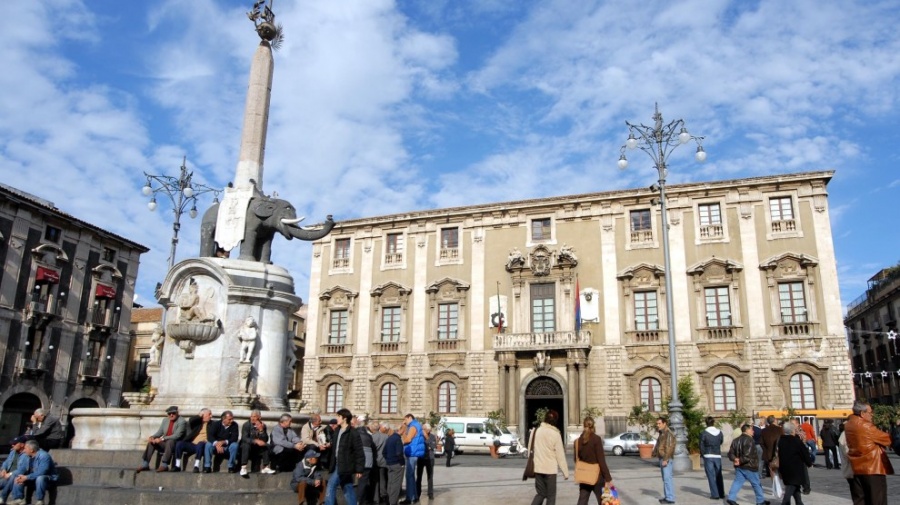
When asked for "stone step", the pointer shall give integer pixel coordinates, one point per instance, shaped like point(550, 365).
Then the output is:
point(91, 457)
point(118, 477)
point(84, 494)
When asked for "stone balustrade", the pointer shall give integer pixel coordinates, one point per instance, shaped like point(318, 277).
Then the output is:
point(543, 340)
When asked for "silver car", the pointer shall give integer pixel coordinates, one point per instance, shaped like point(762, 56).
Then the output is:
point(622, 443)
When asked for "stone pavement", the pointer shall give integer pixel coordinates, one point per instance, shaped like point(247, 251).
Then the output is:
point(638, 485)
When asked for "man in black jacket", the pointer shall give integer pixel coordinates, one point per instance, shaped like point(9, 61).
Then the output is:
point(349, 461)
point(195, 440)
point(221, 439)
point(711, 450)
point(746, 463)
point(47, 430)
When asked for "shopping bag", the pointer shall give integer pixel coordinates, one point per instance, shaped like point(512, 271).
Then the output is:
point(777, 486)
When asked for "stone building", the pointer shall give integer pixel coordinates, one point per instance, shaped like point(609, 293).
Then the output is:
point(871, 323)
point(144, 321)
point(65, 301)
point(466, 310)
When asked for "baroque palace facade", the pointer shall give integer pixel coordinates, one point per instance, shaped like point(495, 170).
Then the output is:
point(462, 311)
point(66, 292)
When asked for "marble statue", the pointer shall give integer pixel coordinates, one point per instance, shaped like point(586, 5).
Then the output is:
point(248, 335)
point(156, 343)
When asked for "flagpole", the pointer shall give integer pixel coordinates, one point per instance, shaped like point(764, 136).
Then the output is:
point(499, 311)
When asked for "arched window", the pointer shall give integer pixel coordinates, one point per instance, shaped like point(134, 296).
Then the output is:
point(651, 394)
point(334, 398)
point(803, 394)
point(447, 398)
point(389, 398)
point(724, 393)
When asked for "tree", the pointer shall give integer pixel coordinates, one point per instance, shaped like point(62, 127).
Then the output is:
point(495, 420)
point(694, 416)
point(641, 416)
point(539, 415)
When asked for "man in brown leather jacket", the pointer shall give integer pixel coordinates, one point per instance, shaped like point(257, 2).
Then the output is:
point(866, 452)
point(665, 451)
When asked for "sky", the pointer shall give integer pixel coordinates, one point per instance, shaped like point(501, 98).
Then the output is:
point(381, 106)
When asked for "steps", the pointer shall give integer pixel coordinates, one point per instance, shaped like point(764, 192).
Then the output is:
point(109, 477)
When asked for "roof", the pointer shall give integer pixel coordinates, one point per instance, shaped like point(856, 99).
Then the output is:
point(17, 195)
point(153, 315)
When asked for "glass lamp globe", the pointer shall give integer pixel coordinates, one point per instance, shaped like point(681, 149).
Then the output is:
point(684, 136)
point(632, 142)
point(146, 190)
point(188, 192)
point(701, 154)
point(152, 205)
point(623, 163)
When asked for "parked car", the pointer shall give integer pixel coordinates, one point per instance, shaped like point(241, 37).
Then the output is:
point(623, 442)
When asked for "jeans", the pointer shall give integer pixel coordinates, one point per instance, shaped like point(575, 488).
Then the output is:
point(6, 485)
point(813, 449)
point(40, 483)
point(740, 476)
point(346, 486)
point(668, 478)
point(763, 464)
point(198, 450)
point(545, 486)
point(713, 467)
point(231, 449)
point(411, 463)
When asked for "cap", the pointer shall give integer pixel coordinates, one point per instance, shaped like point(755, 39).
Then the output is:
point(333, 421)
point(19, 440)
point(312, 453)
point(172, 410)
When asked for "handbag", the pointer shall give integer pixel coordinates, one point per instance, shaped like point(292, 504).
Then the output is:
point(585, 473)
point(529, 466)
point(774, 464)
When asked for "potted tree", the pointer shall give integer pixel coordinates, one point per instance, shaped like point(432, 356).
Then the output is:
point(495, 420)
point(642, 417)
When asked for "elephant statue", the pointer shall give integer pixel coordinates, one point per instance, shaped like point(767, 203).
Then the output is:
point(265, 216)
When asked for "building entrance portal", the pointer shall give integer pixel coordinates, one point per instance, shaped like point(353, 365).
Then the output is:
point(544, 393)
point(16, 416)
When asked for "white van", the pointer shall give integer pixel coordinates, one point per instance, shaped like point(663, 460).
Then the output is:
point(472, 436)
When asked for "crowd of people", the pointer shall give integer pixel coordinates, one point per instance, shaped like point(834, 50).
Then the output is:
point(366, 460)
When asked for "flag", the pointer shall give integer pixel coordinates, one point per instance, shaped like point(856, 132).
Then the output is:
point(499, 314)
point(577, 306)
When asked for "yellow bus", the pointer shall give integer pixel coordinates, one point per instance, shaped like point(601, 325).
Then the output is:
point(811, 415)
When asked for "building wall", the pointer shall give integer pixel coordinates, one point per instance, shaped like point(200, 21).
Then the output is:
point(66, 293)
point(591, 247)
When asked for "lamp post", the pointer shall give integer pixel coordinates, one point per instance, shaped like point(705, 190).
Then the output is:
point(659, 141)
point(182, 191)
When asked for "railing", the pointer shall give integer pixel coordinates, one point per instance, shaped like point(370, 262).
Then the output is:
point(785, 225)
point(340, 263)
point(719, 333)
point(388, 346)
point(870, 297)
point(92, 367)
point(105, 317)
point(711, 231)
point(31, 362)
point(450, 254)
point(641, 236)
point(393, 258)
point(451, 344)
point(337, 348)
point(646, 336)
point(797, 329)
point(545, 340)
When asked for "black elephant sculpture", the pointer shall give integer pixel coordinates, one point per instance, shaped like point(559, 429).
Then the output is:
point(265, 216)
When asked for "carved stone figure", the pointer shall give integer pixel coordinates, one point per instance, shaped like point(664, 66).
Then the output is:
point(541, 362)
point(156, 343)
point(248, 334)
point(567, 254)
point(516, 259)
point(264, 217)
point(191, 308)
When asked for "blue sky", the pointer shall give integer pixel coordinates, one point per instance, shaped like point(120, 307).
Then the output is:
point(381, 106)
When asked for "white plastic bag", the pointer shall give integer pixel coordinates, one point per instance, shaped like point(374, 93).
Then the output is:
point(777, 486)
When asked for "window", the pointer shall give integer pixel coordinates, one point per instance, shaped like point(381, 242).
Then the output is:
point(338, 328)
point(793, 302)
point(448, 318)
point(543, 313)
point(334, 398)
point(651, 394)
point(802, 392)
point(139, 377)
point(718, 307)
point(710, 220)
point(447, 398)
point(109, 255)
point(393, 253)
point(449, 243)
point(93, 358)
point(474, 428)
point(646, 311)
point(781, 208)
point(390, 324)
point(52, 234)
point(389, 398)
point(540, 229)
point(341, 253)
point(724, 393)
point(640, 220)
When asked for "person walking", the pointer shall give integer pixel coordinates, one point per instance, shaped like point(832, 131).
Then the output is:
point(664, 451)
point(809, 434)
point(549, 458)
point(867, 453)
point(743, 454)
point(793, 460)
point(426, 463)
point(770, 435)
point(348, 461)
point(449, 445)
point(589, 448)
point(829, 437)
point(711, 450)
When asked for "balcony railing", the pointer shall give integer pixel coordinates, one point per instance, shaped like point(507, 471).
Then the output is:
point(545, 340)
point(105, 318)
point(719, 333)
point(797, 329)
point(448, 344)
point(340, 263)
point(646, 336)
point(34, 362)
point(386, 347)
point(711, 231)
point(449, 254)
point(336, 349)
point(642, 237)
point(785, 225)
point(393, 258)
point(92, 367)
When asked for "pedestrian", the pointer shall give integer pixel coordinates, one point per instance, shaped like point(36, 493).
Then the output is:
point(549, 458)
point(348, 461)
point(664, 451)
point(867, 452)
point(711, 449)
point(770, 436)
point(757, 439)
point(589, 449)
point(829, 437)
point(793, 460)
point(449, 445)
point(378, 475)
point(743, 454)
point(426, 463)
point(895, 436)
point(413, 449)
point(801, 434)
point(393, 458)
point(809, 433)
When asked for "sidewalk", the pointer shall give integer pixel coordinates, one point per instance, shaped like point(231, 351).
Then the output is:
point(468, 485)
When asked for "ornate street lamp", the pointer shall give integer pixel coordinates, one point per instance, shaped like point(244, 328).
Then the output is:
point(659, 141)
point(182, 191)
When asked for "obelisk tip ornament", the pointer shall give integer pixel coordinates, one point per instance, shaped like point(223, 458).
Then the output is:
point(262, 16)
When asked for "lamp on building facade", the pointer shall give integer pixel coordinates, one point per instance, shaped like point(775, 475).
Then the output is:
point(659, 141)
point(182, 191)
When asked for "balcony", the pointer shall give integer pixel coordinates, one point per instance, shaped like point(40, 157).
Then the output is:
point(449, 254)
point(34, 363)
point(338, 263)
point(804, 329)
point(784, 226)
point(389, 347)
point(642, 237)
point(720, 333)
point(646, 336)
point(393, 259)
point(336, 349)
point(105, 318)
point(44, 311)
point(447, 344)
point(712, 231)
point(546, 340)
point(93, 370)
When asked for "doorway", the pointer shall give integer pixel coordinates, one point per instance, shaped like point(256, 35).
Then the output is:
point(544, 393)
point(16, 416)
